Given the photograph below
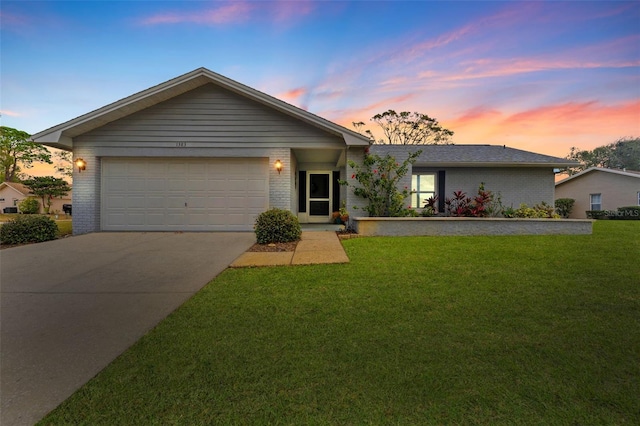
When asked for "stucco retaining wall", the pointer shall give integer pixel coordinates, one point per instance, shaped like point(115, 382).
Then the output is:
point(421, 226)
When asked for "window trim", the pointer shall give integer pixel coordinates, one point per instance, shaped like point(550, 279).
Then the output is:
point(592, 204)
point(416, 194)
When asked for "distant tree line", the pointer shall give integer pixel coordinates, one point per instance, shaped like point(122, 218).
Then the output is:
point(621, 154)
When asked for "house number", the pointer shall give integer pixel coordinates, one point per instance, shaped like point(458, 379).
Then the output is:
point(181, 144)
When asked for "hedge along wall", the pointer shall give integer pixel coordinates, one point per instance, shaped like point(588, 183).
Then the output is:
point(432, 226)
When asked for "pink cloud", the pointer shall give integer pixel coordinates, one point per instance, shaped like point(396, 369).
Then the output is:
point(510, 16)
point(286, 10)
point(236, 12)
point(488, 68)
point(13, 20)
point(293, 94)
point(223, 14)
point(10, 113)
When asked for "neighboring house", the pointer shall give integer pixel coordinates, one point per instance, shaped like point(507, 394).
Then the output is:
point(12, 193)
point(600, 189)
point(200, 153)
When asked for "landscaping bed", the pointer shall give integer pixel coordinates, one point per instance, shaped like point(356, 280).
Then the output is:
point(274, 247)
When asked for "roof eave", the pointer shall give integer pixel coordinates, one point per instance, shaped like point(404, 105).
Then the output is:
point(598, 169)
point(55, 139)
point(491, 164)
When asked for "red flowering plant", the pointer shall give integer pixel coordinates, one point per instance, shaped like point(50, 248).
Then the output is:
point(462, 206)
point(377, 182)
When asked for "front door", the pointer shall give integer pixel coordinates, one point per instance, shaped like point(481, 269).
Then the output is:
point(319, 190)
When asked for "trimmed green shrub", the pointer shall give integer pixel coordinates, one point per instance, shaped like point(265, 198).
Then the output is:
point(629, 212)
point(28, 229)
point(277, 226)
point(539, 211)
point(622, 213)
point(596, 214)
point(29, 206)
point(564, 206)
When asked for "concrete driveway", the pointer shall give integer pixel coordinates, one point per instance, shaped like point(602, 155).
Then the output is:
point(69, 307)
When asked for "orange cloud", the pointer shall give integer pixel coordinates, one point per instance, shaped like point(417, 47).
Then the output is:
point(550, 129)
point(571, 116)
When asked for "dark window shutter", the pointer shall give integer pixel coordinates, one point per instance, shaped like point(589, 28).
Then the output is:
point(336, 191)
point(302, 191)
point(441, 189)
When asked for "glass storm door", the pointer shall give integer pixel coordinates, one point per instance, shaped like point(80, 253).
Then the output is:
point(319, 189)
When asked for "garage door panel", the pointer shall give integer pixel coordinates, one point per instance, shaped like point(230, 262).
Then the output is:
point(237, 219)
point(139, 203)
point(177, 184)
point(156, 202)
point(135, 218)
point(116, 202)
point(236, 203)
point(197, 203)
point(183, 194)
point(176, 219)
point(157, 185)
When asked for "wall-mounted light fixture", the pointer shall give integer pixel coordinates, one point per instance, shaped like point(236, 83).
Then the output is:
point(81, 164)
point(279, 166)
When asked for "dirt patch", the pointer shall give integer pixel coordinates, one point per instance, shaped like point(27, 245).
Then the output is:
point(274, 247)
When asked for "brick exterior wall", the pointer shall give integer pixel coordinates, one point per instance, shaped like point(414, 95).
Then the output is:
point(86, 194)
point(280, 188)
point(515, 185)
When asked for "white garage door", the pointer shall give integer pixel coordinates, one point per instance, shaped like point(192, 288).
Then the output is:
point(144, 194)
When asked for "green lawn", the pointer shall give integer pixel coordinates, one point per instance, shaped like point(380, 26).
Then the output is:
point(65, 227)
point(422, 330)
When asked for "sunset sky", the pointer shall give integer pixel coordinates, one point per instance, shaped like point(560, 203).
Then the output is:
point(540, 76)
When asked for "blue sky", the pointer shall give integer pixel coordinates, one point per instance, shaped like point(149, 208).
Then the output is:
point(541, 76)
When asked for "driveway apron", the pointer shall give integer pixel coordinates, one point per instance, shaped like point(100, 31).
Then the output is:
point(69, 307)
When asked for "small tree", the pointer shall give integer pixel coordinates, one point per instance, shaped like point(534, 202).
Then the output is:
point(408, 128)
point(47, 187)
point(378, 180)
point(16, 149)
point(29, 206)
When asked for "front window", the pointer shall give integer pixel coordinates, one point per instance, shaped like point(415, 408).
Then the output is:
point(423, 186)
point(639, 198)
point(595, 201)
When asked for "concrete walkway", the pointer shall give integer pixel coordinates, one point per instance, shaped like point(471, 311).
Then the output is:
point(315, 247)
